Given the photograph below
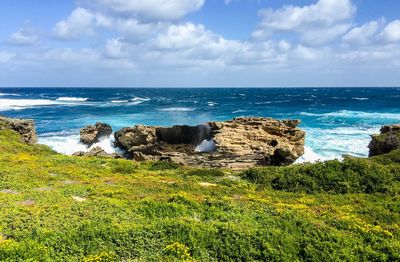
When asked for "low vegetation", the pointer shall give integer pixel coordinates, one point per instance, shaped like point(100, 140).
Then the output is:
point(60, 208)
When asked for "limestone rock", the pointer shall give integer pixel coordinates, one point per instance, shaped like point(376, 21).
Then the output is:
point(26, 128)
point(239, 143)
point(91, 134)
point(387, 141)
point(97, 152)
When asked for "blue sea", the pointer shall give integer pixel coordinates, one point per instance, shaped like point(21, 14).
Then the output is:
point(337, 120)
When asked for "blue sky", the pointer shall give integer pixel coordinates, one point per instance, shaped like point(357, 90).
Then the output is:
point(200, 43)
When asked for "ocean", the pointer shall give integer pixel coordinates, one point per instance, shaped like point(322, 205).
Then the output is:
point(337, 120)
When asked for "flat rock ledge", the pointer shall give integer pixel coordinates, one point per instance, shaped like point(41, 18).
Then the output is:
point(385, 142)
point(97, 152)
point(25, 127)
point(236, 144)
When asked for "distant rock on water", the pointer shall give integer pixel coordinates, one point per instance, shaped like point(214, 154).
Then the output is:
point(91, 134)
point(239, 143)
point(26, 128)
point(387, 141)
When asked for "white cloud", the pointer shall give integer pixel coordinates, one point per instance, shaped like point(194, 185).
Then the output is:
point(185, 36)
point(149, 9)
point(317, 23)
point(322, 35)
point(147, 41)
point(294, 18)
point(114, 48)
point(136, 31)
point(80, 22)
point(24, 36)
point(391, 33)
point(362, 35)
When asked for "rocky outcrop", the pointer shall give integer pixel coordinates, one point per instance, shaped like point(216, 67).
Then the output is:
point(387, 141)
point(239, 143)
point(26, 128)
point(91, 134)
point(97, 152)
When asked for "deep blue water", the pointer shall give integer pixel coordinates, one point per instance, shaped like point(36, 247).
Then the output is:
point(337, 120)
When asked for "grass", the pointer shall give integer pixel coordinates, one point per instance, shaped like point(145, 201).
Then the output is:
point(60, 208)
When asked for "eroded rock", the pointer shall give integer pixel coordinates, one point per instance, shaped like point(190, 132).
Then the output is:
point(239, 143)
point(97, 152)
point(25, 127)
point(387, 141)
point(92, 133)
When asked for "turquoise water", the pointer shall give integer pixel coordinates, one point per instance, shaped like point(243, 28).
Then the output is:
point(337, 120)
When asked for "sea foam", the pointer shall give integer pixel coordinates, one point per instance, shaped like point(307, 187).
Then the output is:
point(355, 114)
point(72, 99)
point(69, 144)
point(19, 104)
point(176, 109)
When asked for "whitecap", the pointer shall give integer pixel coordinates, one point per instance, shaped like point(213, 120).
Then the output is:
point(355, 114)
point(72, 99)
point(211, 104)
point(360, 98)
point(239, 111)
point(6, 94)
point(19, 104)
point(135, 99)
point(176, 109)
point(119, 101)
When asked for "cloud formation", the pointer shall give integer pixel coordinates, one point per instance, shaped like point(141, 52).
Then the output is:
point(149, 9)
point(25, 35)
point(132, 42)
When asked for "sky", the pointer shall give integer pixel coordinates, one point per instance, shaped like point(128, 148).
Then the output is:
point(199, 43)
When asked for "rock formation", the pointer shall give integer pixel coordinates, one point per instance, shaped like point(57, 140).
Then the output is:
point(91, 134)
point(97, 152)
point(239, 143)
point(26, 128)
point(387, 141)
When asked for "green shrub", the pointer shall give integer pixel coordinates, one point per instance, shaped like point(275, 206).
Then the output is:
point(124, 167)
point(202, 172)
point(163, 165)
point(350, 176)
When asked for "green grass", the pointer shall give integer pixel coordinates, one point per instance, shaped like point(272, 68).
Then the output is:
point(60, 208)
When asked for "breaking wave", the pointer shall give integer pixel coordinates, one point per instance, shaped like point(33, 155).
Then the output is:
point(355, 114)
point(72, 99)
point(140, 99)
point(19, 104)
point(324, 144)
point(68, 144)
point(176, 109)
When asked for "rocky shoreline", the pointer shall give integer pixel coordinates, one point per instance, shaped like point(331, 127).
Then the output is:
point(238, 144)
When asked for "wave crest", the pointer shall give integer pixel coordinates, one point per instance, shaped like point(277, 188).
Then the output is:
point(72, 99)
point(176, 109)
point(355, 114)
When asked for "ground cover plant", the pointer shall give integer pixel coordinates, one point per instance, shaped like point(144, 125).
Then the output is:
point(61, 208)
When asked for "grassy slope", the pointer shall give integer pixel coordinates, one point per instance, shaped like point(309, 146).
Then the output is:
point(153, 211)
